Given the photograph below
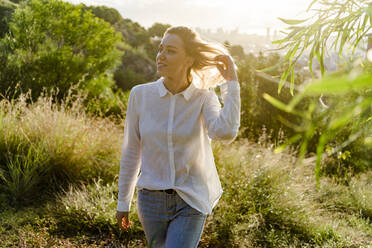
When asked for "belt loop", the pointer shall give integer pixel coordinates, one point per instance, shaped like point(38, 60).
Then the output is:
point(169, 191)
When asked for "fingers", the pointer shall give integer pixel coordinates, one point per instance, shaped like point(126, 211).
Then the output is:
point(221, 67)
point(223, 58)
point(123, 221)
point(125, 224)
point(221, 63)
point(226, 66)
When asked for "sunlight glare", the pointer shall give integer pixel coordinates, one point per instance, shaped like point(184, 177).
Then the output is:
point(369, 55)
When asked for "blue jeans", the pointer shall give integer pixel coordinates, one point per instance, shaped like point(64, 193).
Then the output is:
point(168, 221)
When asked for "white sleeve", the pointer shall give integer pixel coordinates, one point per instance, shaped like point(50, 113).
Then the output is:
point(223, 123)
point(130, 155)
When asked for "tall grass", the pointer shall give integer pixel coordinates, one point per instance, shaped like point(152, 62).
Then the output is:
point(44, 145)
point(90, 210)
point(269, 200)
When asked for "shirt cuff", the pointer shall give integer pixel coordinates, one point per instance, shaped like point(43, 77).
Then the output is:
point(123, 206)
point(230, 86)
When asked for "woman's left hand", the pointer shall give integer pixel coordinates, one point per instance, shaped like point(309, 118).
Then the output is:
point(226, 67)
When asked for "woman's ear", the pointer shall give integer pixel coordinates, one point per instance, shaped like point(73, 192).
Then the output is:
point(190, 61)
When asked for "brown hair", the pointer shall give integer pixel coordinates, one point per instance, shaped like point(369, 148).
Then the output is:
point(203, 52)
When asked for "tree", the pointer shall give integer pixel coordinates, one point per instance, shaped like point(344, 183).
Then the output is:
point(134, 34)
point(137, 65)
point(158, 29)
point(110, 15)
point(6, 11)
point(237, 51)
point(52, 43)
point(136, 68)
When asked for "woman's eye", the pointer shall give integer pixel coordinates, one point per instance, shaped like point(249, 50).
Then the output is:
point(168, 51)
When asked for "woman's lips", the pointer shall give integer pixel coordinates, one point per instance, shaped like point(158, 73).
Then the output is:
point(161, 65)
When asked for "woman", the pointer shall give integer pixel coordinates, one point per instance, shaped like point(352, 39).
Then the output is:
point(167, 138)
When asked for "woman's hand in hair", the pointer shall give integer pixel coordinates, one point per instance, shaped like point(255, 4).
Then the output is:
point(123, 220)
point(226, 66)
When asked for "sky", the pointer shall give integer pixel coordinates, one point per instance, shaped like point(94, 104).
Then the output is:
point(246, 15)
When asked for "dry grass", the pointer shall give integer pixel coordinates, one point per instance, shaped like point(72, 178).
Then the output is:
point(269, 199)
point(290, 212)
point(61, 143)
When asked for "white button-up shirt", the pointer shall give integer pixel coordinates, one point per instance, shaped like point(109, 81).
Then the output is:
point(167, 141)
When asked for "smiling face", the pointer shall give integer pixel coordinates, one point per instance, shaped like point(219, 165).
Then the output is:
point(172, 60)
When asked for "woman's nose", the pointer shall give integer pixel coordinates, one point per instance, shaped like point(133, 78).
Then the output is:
point(160, 56)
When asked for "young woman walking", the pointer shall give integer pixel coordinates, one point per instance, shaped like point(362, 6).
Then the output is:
point(166, 151)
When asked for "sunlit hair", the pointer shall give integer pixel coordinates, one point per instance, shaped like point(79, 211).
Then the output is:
point(204, 66)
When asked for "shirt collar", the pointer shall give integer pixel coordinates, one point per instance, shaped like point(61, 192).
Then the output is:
point(187, 93)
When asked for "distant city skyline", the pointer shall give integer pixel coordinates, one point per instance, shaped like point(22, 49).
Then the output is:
point(248, 16)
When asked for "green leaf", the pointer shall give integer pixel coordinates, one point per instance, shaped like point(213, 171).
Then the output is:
point(284, 77)
point(311, 4)
point(291, 21)
point(345, 34)
point(288, 35)
point(289, 142)
point(368, 10)
point(295, 100)
point(321, 59)
point(271, 67)
point(339, 84)
point(297, 128)
point(275, 102)
point(294, 50)
point(280, 105)
point(311, 56)
point(319, 154)
point(345, 118)
point(319, 56)
point(292, 82)
point(279, 41)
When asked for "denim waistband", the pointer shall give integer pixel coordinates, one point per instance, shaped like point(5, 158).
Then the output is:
point(168, 191)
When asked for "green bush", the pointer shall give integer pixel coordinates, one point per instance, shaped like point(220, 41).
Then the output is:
point(55, 44)
point(136, 68)
point(6, 11)
point(46, 146)
point(263, 204)
point(90, 210)
point(103, 98)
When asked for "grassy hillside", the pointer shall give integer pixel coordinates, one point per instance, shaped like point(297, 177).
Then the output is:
point(269, 200)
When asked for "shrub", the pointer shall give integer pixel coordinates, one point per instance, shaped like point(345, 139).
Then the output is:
point(44, 145)
point(55, 44)
point(264, 203)
point(90, 210)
